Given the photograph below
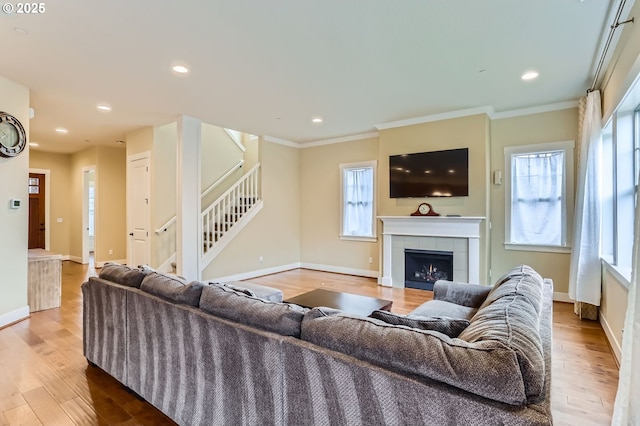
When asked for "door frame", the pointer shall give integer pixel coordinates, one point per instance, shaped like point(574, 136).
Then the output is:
point(86, 255)
point(130, 160)
point(47, 205)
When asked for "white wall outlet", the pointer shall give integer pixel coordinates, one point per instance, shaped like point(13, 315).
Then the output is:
point(59, 220)
point(370, 259)
point(110, 251)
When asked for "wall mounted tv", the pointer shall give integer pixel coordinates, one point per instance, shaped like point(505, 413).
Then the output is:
point(429, 174)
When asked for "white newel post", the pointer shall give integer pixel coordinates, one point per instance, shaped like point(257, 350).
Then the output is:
point(188, 221)
point(396, 228)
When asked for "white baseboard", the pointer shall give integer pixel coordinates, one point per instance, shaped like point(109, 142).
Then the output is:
point(66, 257)
point(166, 265)
point(254, 274)
point(75, 259)
point(561, 297)
point(340, 270)
point(385, 281)
point(100, 263)
point(14, 316)
point(615, 345)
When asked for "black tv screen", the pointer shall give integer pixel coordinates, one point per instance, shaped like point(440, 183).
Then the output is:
point(429, 174)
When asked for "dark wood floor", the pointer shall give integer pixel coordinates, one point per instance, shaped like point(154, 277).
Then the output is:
point(44, 378)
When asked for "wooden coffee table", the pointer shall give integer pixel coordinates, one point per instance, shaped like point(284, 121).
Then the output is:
point(347, 302)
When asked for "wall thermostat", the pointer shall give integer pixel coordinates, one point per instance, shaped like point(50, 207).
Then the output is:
point(497, 177)
point(15, 203)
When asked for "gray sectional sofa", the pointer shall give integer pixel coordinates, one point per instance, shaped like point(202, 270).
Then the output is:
point(221, 354)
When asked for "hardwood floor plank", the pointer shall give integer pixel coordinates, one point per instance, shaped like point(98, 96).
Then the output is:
point(46, 408)
point(41, 358)
point(21, 415)
point(82, 413)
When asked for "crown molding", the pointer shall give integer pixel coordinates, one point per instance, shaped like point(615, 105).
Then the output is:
point(339, 140)
point(534, 110)
point(488, 110)
point(281, 142)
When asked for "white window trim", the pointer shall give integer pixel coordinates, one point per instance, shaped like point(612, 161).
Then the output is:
point(373, 164)
point(567, 147)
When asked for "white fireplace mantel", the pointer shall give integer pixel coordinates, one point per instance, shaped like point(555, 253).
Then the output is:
point(459, 227)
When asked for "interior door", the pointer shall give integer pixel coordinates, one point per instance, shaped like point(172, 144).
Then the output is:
point(36, 210)
point(139, 211)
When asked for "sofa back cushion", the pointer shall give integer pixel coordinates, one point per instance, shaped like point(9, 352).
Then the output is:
point(172, 288)
point(281, 318)
point(513, 322)
point(486, 368)
point(452, 327)
point(521, 280)
point(122, 274)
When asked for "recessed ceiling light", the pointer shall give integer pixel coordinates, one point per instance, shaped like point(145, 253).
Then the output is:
point(316, 120)
point(103, 107)
point(529, 75)
point(120, 142)
point(21, 31)
point(180, 69)
point(61, 130)
point(34, 144)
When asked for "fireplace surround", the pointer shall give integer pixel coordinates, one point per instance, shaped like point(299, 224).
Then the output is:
point(459, 235)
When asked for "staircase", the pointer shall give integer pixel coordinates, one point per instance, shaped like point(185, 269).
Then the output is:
point(231, 212)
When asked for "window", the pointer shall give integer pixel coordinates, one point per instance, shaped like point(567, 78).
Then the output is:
point(358, 201)
point(539, 196)
point(621, 163)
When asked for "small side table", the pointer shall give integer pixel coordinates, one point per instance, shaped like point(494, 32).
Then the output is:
point(44, 288)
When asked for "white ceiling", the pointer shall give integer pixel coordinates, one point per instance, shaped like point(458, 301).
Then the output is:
point(268, 67)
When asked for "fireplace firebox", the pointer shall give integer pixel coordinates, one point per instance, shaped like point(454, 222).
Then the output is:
point(424, 267)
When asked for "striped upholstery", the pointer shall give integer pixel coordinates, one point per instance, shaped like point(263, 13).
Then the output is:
point(203, 370)
point(104, 325)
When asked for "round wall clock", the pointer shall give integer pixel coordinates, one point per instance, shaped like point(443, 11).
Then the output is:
point(13, 138)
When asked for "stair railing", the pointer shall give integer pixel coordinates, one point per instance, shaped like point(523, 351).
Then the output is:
point(215, 184)
point(222, 214)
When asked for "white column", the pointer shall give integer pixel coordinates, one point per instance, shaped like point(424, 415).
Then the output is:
point(387, 245)
point(188, 221)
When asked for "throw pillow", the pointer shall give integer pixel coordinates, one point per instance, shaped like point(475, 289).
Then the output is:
point(122, 274)
point(452, 327)
point(172, 288)
point(281, 318)
point(237, 288)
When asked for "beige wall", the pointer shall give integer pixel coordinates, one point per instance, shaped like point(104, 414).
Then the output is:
point(110, 216)
point(467, 132)
point(163, 192)
point(14, 172)
point(613, 309)
point(59, 196)
point(525, 130)
point(140, 141)
point(111, 232)
point(320, 207)
point(251, 155)
point(219, 154)
point(275, 232)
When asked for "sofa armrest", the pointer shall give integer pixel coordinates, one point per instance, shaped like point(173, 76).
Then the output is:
point(470, 295)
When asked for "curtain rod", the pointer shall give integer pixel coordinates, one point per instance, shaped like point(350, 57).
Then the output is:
point(612, 30)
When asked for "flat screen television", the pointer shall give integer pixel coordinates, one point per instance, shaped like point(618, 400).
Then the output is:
point(429, 174)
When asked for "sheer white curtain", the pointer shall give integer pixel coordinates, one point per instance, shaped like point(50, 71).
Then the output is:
point(584, 274)
point(536, 210)
point(358, 202)
point(626, 410)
